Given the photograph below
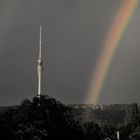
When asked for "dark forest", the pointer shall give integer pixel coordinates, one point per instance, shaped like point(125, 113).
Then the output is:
point(45, 118)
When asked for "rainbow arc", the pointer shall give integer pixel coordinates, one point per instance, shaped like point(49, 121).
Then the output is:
point(110, 47)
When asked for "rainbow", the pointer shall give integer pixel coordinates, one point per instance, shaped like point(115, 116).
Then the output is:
point(110, 47)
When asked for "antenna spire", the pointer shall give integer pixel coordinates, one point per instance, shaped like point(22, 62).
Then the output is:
point(40, 65)
point(40, 43)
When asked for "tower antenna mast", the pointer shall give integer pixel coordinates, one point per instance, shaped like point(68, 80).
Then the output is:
point(40, 64)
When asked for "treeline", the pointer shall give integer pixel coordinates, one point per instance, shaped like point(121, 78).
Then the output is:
point(45, 118)
point(110, 114)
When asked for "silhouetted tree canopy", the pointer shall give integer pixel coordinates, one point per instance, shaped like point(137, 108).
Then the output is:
point(45, 118)
point(40, 118)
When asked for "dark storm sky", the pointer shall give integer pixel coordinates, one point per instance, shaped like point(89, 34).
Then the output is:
point(73, 33)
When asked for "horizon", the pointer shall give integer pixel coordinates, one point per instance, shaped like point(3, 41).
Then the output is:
point(129, 103)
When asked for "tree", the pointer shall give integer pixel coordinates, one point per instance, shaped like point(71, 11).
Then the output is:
point(108, 130)
point(42, 118)
point(132, 114)
point(92, 131)
point(135, 135)
point(126, 130)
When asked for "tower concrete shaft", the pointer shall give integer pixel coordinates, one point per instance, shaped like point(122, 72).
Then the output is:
point(40, 65)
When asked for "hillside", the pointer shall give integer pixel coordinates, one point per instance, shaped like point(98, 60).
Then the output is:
point(111, 114)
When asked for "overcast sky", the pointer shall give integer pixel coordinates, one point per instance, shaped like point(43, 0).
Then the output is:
point(73, 36)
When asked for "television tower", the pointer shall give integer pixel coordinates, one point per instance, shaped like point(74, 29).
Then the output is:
point(40, 65)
